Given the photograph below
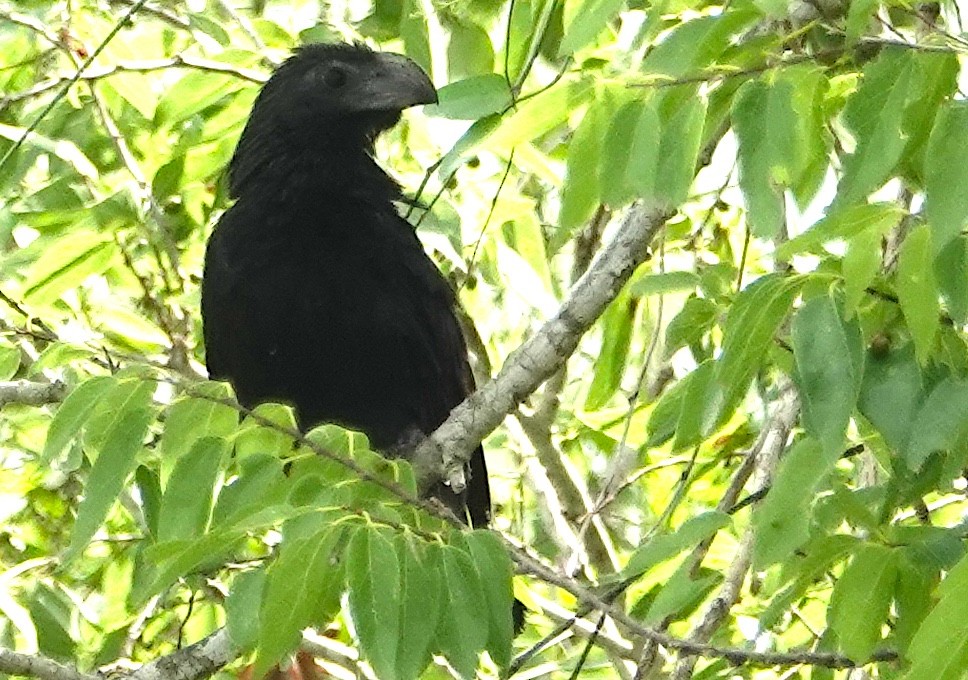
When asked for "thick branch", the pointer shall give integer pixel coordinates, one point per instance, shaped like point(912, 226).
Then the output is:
point(194, 662)
point(538, 358)
point(30, 393)
point(31, 666)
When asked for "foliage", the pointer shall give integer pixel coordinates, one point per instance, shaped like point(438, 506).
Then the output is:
point(814, 154)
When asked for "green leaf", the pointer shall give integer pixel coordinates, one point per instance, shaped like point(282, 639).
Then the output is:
point(472, 98)
point(664, 283)
point(584, 20)
point(302, 577)
point(538, 115)
point(66, 264)
point(951, 273)
point(241, 607)
point(844, 223)
point(115, 461)
point(617, 324)
point(752, 322)
point(421, 600)
point(860, 266)
point(859, 15)
point(802, 572)
point(946, 174)
point(9, 361)
point(810, 85)
point(469, 52)
point(940, 423)
point(683, 117)
point(261, 482)
point(661, 425)
point(696, 44)
point(255, 438)
point(129, 393)
point(938, 83)
point(373, 575)
point(580, 193)
point(642, 168)
point(72, 415)
point(616, 157)
point(917, 291)
point(694, 320)
point(195, 92)
point(171, 561)
point(51, 612)
point(460, 635)
point(939, 649)
point(186, 506)
point(913, 598)
point(697, 417)
point(149, 491)
point(664, 547)
point(769, 151)
point(782, 521)
point(192, 418)
point(862, 599)
point(829, 356)
point(495, 570)
point(891, 394)
point(61, 148)
point(681, 593)
point(874, 115)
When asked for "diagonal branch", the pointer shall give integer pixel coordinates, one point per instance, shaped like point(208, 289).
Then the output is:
point(196, 661)
point(443, 454)
point(30, 393)
point(30, 665)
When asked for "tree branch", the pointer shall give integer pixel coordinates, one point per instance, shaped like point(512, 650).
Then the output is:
point(144, 66)
point(194, 662)
point(29, 665)
point(29, 393)
point(443, 454)
point(774, 442)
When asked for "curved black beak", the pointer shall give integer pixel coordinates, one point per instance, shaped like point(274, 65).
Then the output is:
point(396, 83)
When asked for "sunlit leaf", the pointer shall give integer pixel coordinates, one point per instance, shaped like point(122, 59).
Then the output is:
point(421, 600)
point(862, 599)
point(585, 19)
point(946, 175)
point(72, 414)
point(115, 461)
point(939, 649)
point(874, 115)
point(782, 520)
point(581, 192)
point(917, 291)
point(664, 547)
point(769, 151)
point(186, 506)
point(472, 98)
point(373, 576)
point(461, 635)
point(829, 356)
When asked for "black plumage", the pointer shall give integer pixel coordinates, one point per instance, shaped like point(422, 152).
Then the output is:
point(316, 292)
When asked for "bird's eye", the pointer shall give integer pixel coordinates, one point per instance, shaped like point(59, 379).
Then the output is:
point(335, 77)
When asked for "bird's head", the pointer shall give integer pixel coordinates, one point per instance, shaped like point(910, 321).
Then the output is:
point(328, 98)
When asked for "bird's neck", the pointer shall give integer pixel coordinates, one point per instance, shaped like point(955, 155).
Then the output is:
point(282, 166)
point(286, 178)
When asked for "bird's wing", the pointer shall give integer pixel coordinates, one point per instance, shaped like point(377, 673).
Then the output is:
point(438, 353)
point(217, 315)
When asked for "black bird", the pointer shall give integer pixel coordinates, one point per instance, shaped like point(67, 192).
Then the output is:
point(316, 293)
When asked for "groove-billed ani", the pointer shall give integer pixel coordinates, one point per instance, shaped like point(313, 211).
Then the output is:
point(316, 292)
